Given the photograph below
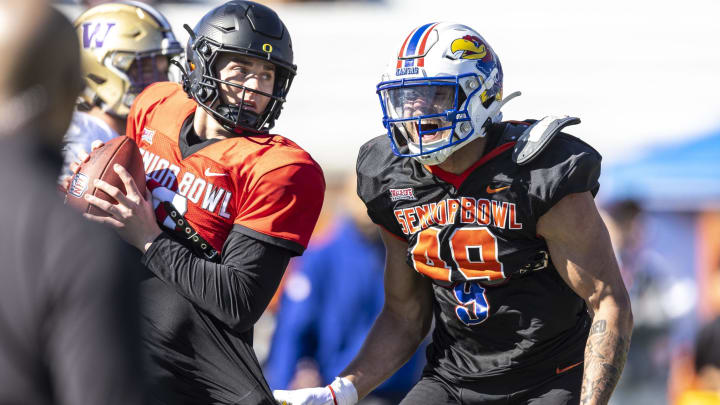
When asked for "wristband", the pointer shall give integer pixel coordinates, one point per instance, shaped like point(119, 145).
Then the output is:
point(332, 392)
point(343, 391)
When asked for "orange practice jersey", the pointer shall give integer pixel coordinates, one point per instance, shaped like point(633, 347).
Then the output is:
point(264, 186)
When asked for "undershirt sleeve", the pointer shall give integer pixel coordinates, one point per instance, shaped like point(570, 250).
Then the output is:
point(237, 290)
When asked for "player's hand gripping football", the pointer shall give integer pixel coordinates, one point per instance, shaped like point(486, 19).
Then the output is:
point(340, 392)
point(133, 217)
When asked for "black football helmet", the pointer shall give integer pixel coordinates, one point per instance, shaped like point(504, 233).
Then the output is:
point(246, 28)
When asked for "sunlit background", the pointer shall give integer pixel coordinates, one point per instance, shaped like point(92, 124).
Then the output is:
point(644, 77)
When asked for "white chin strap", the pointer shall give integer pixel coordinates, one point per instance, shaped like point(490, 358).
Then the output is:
point(438, 157)
point(435, 158)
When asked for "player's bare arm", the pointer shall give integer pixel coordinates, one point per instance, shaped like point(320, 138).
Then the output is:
point(397, 332)
point(582, 253)
point(401, 326)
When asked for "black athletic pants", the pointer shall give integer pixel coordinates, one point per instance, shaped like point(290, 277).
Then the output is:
point(561, 389)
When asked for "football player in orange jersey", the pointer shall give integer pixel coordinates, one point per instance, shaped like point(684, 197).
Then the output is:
point(233, 204)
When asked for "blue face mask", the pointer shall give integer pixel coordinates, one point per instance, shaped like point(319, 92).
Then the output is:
point(425, 112)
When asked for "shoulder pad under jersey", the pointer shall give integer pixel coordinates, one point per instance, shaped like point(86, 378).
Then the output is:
point(537, 136)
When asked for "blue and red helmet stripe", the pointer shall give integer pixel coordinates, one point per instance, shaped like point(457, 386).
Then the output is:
point(410, 46)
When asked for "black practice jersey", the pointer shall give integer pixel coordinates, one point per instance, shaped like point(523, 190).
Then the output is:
point(500, 306)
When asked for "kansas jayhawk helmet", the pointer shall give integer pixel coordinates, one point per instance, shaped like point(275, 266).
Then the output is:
point(122, 46)
point(441, 91)
point(245, 28)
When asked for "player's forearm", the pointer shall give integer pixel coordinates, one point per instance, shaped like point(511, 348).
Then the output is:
point(606, 352)
point(390, 343)
point(236, 291)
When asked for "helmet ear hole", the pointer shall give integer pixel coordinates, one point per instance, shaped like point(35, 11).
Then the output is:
point(95, 78)
point(462, 97)
point(488, 101)
point(205, 94)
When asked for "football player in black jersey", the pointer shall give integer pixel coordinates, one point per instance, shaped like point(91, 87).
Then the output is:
point(491, 230)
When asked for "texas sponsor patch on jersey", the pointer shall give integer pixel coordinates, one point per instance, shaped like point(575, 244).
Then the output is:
point(397, 194)
point(147, 135)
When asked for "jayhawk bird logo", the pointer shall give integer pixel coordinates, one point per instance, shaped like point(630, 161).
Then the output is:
point(470, 47)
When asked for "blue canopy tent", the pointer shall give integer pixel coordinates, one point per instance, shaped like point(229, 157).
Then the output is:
point(683, 176)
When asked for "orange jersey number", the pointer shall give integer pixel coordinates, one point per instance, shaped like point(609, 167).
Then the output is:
point(473, 250)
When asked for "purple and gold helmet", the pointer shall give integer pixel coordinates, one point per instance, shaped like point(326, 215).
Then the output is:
point(125, 47)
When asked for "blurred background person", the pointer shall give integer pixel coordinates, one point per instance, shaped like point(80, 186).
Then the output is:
point(657, 307)
point(664, 205)
point(705, 386)
point(68, 290)
point(124, 47)
point(329, 304)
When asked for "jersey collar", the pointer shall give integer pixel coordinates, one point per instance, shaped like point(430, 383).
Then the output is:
point(457, 179)
point(188, 141)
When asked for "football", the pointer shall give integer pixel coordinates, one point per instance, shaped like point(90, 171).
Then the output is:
point(121, 150)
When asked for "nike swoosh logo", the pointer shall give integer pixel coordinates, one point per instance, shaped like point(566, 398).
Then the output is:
point(495, 190)
point(208, 173)
point(559, 370)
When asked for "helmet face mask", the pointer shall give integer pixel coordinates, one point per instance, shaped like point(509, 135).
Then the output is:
point(441, 92)
point(137, 70)
point(208, 90)
point(146, 69)
point(247, 30)
point(421, 110)
point(126, 46)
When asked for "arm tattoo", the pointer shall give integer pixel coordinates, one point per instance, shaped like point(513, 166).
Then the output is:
point(605, 355)
point(598, 327)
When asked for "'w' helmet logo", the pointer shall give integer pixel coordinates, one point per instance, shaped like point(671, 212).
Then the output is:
point(95, 34)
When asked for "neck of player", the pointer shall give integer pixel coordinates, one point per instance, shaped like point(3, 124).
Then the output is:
point(206, 127)
point(464, 157)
